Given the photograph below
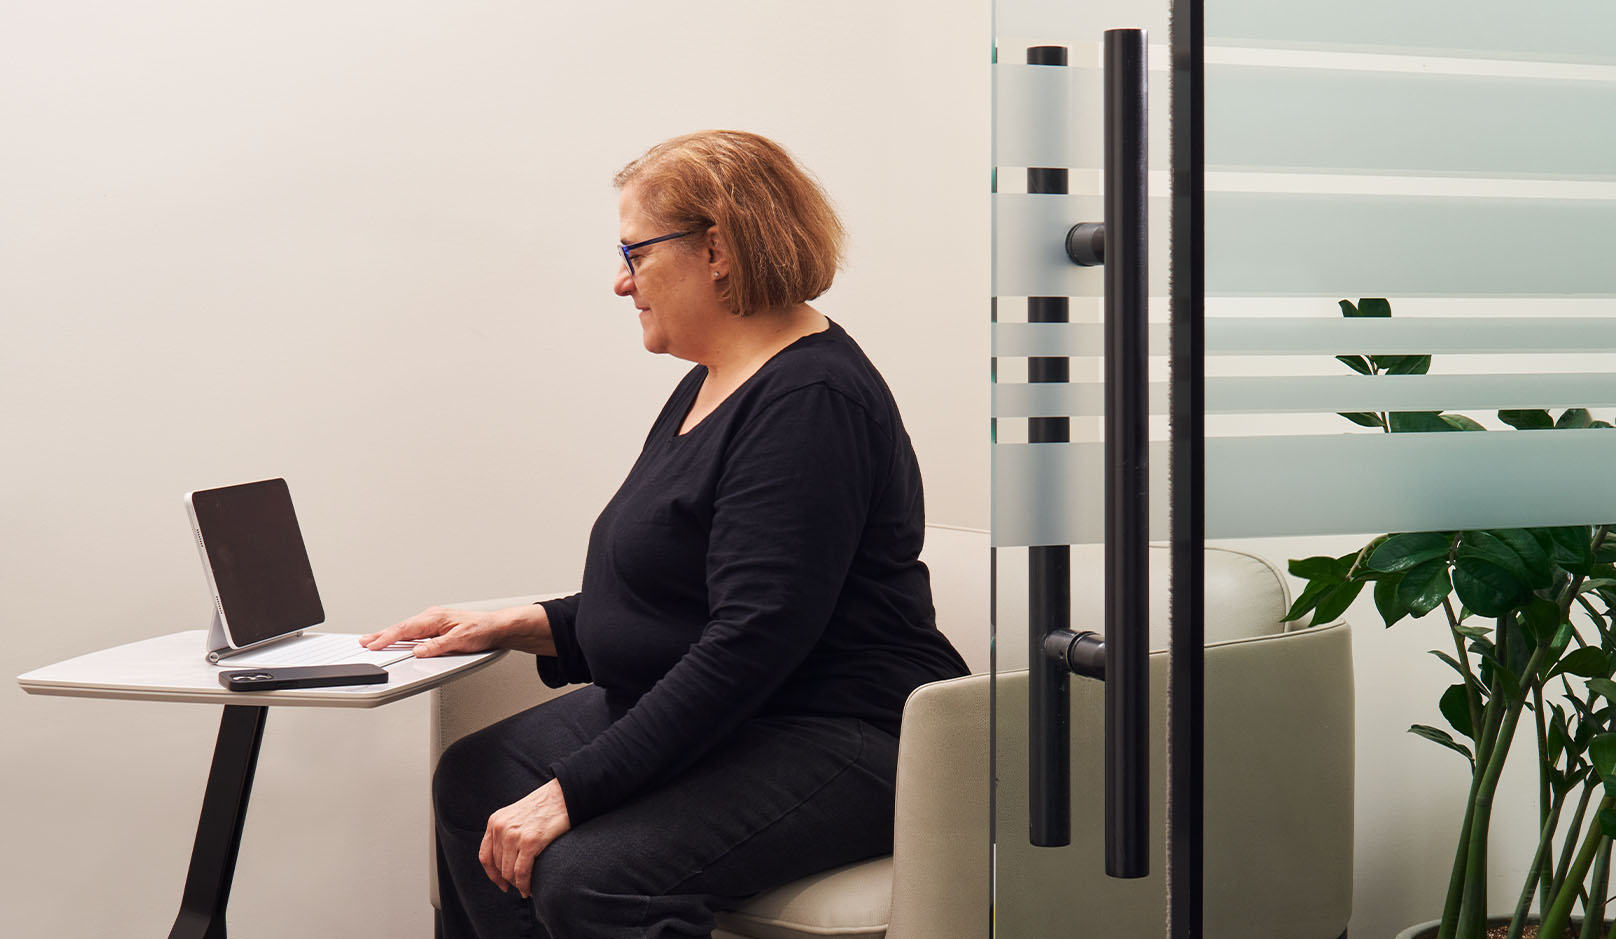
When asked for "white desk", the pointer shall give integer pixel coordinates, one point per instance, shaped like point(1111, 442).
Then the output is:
point(173, 668)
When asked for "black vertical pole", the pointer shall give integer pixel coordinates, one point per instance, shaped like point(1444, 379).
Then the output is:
point(218, 831)
point(1127, 442)
point(1186, 809)
point(1049, 577)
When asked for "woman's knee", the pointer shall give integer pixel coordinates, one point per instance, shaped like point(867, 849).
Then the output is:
point(469, 782)
point(573, 885)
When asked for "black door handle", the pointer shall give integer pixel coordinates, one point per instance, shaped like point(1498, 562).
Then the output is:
point(1121, 658)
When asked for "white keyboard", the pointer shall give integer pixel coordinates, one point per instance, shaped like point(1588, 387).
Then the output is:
point(321, 649)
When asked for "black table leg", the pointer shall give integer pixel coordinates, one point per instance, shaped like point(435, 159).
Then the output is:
point(218, 833)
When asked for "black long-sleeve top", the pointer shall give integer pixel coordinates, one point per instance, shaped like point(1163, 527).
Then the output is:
point(765, 562)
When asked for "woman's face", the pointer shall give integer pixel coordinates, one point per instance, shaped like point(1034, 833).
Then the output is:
point(673, 285)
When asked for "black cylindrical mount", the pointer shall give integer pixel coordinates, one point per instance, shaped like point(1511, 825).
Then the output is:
point(1127, 516)
point(1085, 244)
point(1082, 653)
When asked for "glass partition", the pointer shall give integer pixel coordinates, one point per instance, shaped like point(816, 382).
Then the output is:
point(1377, 251)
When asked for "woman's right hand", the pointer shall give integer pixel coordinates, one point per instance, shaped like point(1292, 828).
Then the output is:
point(443, 631)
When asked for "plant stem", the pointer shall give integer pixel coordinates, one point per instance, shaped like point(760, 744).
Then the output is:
point(1560, 911)
point(1456, 880)
point(1472, 693)
point(1564, 867)
point(1473, 911)
point(1534, 874)
point(1593, 911)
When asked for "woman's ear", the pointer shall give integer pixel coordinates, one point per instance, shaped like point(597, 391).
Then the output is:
point(717, 254)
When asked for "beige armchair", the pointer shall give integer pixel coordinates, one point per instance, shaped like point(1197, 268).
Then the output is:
point(1278, 777)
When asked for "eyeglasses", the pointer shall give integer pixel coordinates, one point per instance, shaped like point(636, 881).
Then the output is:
point(625, 249)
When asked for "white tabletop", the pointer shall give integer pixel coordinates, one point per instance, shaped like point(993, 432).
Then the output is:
point(174, 668)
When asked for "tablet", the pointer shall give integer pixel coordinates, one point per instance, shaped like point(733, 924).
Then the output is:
point(257, 568)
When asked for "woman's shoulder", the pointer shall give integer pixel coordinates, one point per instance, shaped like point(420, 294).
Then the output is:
point(830, 358)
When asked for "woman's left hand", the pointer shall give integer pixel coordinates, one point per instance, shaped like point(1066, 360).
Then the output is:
point(518, 832)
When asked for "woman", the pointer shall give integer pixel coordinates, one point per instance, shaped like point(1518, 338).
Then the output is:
point(753, 611)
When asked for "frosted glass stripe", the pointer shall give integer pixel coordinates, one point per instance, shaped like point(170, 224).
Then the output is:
point(1037, 110)
point(1037, 399)
point(1408, 336)
point(1053, 493)
point(1054, 116)
point(1263, 244)
point(1371, 483)
point(1279, 486)
point(1554, 30)
point(1029, 250)
point(1388, 122)
point(1407, 393)
point(1046, 339)
point(1329, 394)
point(1330, 337)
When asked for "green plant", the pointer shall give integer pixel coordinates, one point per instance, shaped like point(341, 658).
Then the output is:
point(1533, 633)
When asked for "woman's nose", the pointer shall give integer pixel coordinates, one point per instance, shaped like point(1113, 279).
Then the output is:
point(624, 284)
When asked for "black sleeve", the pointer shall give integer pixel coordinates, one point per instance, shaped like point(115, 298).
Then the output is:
point(567, 666)
point(789, 508)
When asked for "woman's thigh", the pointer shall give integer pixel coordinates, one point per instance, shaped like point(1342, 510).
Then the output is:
point(780, 799)
point(491, 768)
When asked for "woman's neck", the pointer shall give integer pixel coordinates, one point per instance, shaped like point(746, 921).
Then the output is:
point(749, 341)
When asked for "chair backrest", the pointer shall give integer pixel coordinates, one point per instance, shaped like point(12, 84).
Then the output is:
point(1279, 727)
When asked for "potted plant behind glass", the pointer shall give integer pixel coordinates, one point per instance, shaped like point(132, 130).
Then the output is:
point(1529, 614)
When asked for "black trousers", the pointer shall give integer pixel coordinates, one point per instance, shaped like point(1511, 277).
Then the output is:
point(781, 798)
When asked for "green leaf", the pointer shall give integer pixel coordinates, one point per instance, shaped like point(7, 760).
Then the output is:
point(1607, 817)
point(1535, 419)
point(1562, 638)
point(1453, 663)
point(1534, 556)
point(1574, 418)
point(1391, 610)
point(1473, 632)
point(1571, 547)
point(1441, 737)
point(1314, 568)
point(1336, 600)
point(1363, 418)
point(1488, 547)
point(1402, 552)
point(1357, 363)
point(1603, 686)
point(1418, 422)
point(1485, 587)
point(1602, 752)
point(1311, 594)
point(1373, 306)
point(1402, 364)
point(1424, 587)
point(1455, 705)
point(1540, 620)
point(1347, 308)
point(1589, 662)
point(1460, 422)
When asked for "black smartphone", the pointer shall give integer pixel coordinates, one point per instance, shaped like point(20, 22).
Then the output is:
point(302, 676)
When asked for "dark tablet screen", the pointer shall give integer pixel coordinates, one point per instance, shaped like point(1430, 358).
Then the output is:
point(260, 567)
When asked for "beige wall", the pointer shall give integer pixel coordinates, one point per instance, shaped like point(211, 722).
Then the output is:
point(367, 246)
point(364, 245)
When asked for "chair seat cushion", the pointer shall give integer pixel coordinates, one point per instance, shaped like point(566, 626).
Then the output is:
point(852, 901)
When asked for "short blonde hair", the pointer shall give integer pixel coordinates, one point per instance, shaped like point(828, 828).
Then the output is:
point(783, 236)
